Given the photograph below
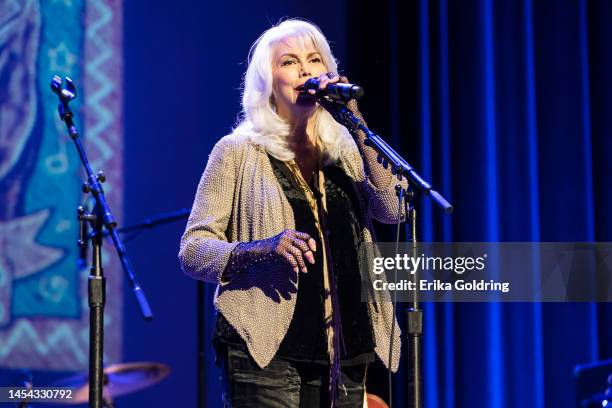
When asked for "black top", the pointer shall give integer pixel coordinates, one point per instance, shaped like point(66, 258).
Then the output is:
point(306, 339)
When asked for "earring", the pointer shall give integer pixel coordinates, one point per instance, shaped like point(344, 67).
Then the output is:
point(273, 103)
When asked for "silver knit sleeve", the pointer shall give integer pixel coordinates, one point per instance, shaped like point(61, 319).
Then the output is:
point(382, 201)
point(205, 250)
point(378, 183)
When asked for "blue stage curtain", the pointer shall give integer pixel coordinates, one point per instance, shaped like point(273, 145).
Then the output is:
point(506, 106)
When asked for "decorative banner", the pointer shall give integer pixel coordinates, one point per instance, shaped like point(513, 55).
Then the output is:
point(44, 315)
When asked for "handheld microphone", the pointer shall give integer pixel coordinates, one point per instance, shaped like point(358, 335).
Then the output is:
point(338, 91)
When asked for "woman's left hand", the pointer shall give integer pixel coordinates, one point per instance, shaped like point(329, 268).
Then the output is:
point(379, 176)
point(332, 78)
point(326, 79)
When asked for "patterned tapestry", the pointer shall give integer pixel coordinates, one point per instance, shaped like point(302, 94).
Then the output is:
point(44, 314)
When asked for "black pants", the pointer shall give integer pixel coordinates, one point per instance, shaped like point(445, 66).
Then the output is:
point(284, 383)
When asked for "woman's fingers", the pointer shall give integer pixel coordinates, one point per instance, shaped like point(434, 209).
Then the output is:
point(302, 236)
point(296, 246)
point(323, 81)
point(326, 79)
point(309, 256)
point(306, 244)
point(297, 255)
point(303, 245)
point(312, 244)
point(291, 260)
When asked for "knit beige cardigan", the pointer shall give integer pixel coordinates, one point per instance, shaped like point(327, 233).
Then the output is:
point(238, 200)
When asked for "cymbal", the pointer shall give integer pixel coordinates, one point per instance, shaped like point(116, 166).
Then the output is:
point(119, 379)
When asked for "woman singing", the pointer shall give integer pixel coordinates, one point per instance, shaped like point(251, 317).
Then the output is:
point(283, 205)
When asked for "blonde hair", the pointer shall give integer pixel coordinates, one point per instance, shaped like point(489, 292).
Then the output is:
point(259, 118)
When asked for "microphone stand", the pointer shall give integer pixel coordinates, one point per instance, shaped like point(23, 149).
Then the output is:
point(101, 217)
point(163, 218)
point(149, 223)
point(400, 168)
